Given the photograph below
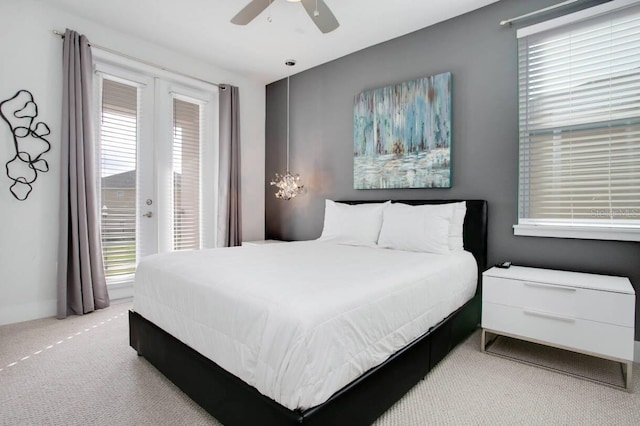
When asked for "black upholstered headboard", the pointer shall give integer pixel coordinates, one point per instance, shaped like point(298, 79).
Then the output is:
point(474, 230)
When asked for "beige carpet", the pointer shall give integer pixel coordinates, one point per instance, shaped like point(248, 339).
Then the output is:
point(81, 371)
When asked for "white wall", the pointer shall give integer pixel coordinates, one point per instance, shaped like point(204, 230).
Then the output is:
point(31, 59)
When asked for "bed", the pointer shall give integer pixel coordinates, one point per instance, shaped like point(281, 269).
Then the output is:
point(358, 392)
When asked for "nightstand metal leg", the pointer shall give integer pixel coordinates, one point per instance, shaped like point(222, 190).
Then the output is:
point(628, 369)
point(487, 338)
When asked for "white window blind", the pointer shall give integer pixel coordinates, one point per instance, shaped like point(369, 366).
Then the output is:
point(118, 145)
point(579, 96)
point(186, 175)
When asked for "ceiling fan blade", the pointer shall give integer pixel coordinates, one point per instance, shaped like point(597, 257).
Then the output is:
point(325, 21)
point(250, 11)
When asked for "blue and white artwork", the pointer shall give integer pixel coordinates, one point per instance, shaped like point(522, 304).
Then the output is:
point(402, 135)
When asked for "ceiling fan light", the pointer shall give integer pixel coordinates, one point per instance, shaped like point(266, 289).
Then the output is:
point(321, 15)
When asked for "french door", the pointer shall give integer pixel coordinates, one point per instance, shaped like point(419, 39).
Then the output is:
point(157, 177)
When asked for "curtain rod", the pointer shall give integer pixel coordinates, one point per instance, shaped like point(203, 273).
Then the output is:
point(124, 55)
point(537, 12)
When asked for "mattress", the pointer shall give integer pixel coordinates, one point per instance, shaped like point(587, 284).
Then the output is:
point(298, 321)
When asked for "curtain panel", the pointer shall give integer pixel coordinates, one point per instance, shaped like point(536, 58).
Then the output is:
point(229, 206)
point(81, 282)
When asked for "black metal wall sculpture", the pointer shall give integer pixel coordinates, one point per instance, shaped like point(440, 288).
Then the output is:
point(20, 112)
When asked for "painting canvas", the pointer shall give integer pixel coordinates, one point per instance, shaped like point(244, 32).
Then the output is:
point(402, 135)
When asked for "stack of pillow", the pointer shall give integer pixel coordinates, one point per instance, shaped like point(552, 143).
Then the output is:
point(430, 228)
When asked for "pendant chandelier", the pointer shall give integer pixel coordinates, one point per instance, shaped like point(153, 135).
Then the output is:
point(288, 184)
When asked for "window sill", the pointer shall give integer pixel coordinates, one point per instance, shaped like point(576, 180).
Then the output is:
point(579, 232)
point(121, 281)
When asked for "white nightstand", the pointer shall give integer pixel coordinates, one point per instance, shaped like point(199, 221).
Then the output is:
point(261, 242)
point(586, 313)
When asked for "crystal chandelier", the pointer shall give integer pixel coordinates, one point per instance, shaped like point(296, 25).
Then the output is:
point(288, 184)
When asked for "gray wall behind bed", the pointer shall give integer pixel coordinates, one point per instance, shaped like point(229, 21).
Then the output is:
point(482, 56)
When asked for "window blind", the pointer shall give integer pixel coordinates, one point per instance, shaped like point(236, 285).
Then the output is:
point(186, 175)
point(579, 118)
point(118, 146)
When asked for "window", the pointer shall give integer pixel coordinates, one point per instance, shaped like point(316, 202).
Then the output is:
point(186, 175)
point(118, 146)
point(156, 154)
point(579, 95)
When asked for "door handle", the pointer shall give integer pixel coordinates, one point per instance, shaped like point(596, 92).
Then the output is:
point(148, 214)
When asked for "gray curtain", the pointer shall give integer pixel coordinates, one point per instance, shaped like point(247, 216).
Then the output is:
point(81, 282)
point(229, 209)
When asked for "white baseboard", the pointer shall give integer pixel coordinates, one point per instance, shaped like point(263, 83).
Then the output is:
point(49, 308)
point(28, 311)
point(636, 352)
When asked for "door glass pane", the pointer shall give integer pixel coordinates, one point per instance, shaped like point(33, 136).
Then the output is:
point(118, 148)
point(186, 175)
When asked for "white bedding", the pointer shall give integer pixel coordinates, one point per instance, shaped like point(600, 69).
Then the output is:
point(298, 321)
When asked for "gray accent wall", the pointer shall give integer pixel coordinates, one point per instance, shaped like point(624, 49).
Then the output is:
point(482, 57)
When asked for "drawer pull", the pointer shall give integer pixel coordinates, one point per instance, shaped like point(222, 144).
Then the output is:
point(550, 286)
point(548, 315)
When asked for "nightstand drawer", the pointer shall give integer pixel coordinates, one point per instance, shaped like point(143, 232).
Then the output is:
point(592, 305)
point(560, 330)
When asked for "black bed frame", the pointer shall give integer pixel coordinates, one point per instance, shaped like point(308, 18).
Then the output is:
point(361, 402)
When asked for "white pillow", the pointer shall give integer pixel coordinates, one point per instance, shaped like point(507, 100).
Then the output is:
point(455, 227)
point(353, 224)
point(423, 228)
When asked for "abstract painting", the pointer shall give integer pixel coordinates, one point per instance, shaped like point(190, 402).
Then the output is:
point(402, 135)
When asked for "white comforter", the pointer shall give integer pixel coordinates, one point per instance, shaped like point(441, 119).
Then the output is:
point(298, 321)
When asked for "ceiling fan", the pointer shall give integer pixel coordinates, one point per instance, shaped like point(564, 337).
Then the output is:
point(318, 11)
